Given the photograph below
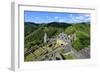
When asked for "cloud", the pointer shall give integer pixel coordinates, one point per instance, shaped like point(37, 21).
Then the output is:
point(71, 15)
point(80, 18)
point(61, 20)
point(56, 17)
point(36, 17)
point(48, 19)
point(47, 16)
point(87, 15)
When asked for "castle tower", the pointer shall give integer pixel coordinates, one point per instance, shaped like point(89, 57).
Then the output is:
point(45, 37)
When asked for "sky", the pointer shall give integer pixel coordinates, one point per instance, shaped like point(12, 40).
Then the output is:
point(46, 17)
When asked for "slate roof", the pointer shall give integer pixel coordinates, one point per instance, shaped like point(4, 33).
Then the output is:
point(64, 37)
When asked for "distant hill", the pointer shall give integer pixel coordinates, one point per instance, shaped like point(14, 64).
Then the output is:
point(59, 24)
point(31, 27)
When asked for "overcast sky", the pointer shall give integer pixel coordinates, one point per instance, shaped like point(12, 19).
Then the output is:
point(45, 17)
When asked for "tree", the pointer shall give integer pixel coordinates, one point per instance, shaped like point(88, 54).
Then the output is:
point(82, 41)
point(70, 30)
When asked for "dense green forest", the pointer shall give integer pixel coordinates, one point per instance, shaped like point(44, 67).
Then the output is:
point(34, 32)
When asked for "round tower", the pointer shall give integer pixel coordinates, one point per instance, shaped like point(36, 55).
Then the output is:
point(45, 37)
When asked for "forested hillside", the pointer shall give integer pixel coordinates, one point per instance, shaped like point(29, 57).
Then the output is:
point(79, 33)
